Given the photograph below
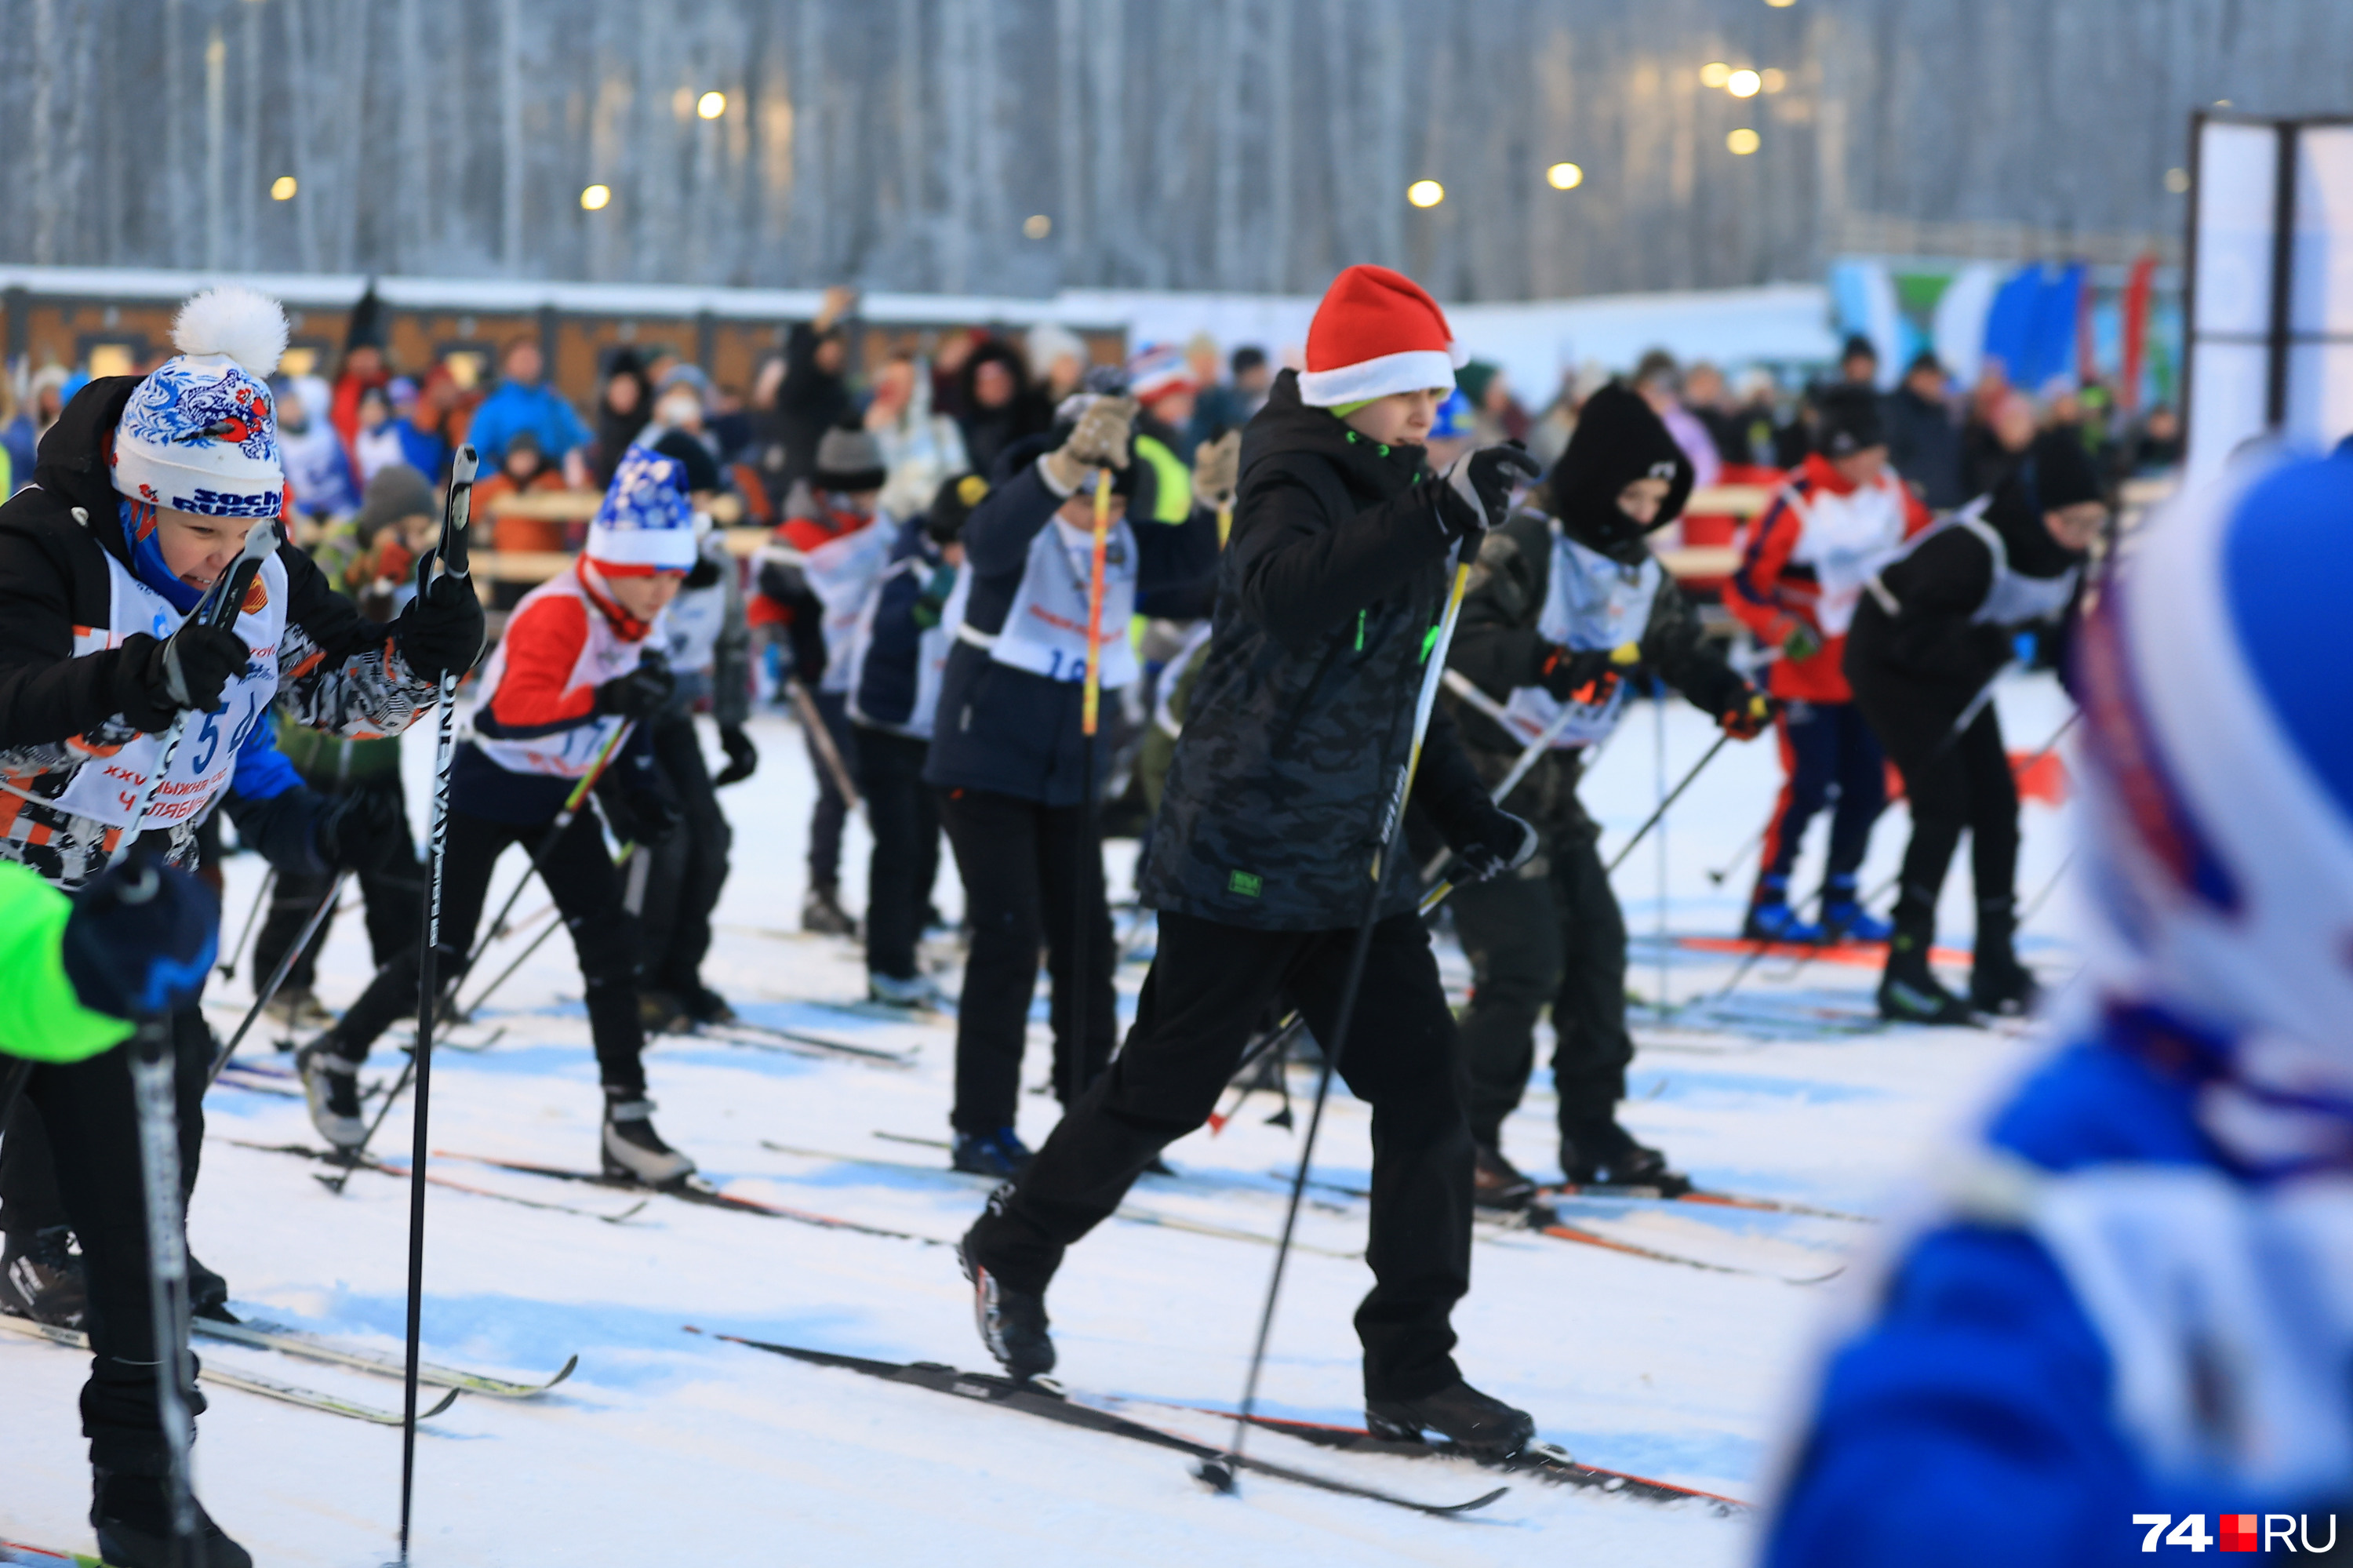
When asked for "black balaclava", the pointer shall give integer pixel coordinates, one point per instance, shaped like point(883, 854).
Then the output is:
point(2057, 472)
point(1618, 441)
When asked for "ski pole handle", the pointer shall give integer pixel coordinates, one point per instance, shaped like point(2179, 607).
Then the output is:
point(1090, 702)
point(457, 515)
point(1424, 705)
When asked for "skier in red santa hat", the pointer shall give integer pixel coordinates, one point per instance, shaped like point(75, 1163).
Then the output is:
point(1264, 857)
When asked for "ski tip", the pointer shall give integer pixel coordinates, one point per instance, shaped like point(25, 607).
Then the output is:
point(1474, 1503)
point(1217, 1474)
point(566, 1371)
point(626, 1215)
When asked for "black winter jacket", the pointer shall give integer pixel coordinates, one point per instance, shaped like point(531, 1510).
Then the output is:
point(1497, 646)
point(1008, 731)
point(339, 672)
point(1301, 720)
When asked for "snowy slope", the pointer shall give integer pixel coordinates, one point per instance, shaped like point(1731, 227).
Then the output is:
point(666, 1446)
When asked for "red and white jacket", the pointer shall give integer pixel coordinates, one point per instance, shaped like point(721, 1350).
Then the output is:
point(1805, 563)
point(535, 731)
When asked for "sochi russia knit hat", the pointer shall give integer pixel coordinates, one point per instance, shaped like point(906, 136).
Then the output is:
point(1377, 333)
point(200, 433)
point(646, 523)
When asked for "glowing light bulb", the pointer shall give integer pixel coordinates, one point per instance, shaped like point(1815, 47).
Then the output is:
point(595, 198)
point(282, 188)
point(1743, 142)
point(711, 105)
point(1425, 193)
point(1743, 84)
point(1564, 176)
point(1715, 73)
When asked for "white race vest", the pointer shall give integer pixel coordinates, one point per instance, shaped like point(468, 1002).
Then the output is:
point(2014, 598)
point(694, 620)
point(1845, 539)
point(570, 752)
point(1045, 630)
point(842, 573)
point(930, 652)
point(1591, 602)
point(107, 787)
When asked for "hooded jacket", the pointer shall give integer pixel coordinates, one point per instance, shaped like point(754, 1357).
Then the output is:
point(337, 671)
point(1499, 647)
point(1301, 720)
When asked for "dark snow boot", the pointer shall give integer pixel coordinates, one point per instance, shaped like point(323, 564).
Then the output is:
point(1472, 1421)
point(132, 1517)
point(1602, 1153)
point(1909, 992)
point(822, 913)
point(1999, 984)
point(1000, 1153)
point(704, 1005)
point(1012, 1323)
point(208, 1293)
point(633, 1150)
point(1496, 1184)
point(41, 1278)
point(330, 1087)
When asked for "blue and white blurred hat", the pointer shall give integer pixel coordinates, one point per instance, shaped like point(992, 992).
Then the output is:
point(1156, 370)
point(2218, 775)
point(200, 433)
point(646, 523)
point(1453, 421)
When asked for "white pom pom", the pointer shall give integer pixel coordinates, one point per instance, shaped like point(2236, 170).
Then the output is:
point(250, 328)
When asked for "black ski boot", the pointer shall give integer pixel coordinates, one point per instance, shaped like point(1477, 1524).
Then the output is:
point(1012, 1323)
point(1000, 1153)
point(1909, 992)
point(330, 1087)
point(1999, 984)
point(208, 1293)
point(822, 913)
point(41, 1278)
point(633, 1150)
point(1494, 1182)
point(132, 1516)
point(1480, 1425)
point(1602, 1153)
point(704, 1005)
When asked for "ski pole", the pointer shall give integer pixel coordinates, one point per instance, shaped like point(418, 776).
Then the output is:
point(152, 1075)
point(1082, 884)
point(465, 1014)
point(1222, 1474)
point(1521, 766)
point(564, 819)
point(1673, 796)
point(1756, 841)
point(219, 608)
point(351, 1157)
point(277, 975)
point(2048, 747)
point(269, 881)
point(451, 558)
point(822, 738)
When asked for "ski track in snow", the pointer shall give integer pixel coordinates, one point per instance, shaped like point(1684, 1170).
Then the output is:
point(666, 1446)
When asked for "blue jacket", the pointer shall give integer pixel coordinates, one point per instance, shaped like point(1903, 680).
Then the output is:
point(516, 406)
point(1005, 730)
point(888, 679)
point(1972, 1420)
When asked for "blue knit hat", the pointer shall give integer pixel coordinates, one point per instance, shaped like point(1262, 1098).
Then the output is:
point(647, 523)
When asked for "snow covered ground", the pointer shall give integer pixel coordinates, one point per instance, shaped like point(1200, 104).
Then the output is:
point(666, 1446)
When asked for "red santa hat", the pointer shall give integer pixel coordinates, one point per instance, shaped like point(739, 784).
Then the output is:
point(1377, 333)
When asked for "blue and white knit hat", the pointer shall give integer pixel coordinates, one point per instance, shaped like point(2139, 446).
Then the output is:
point(200, 433)
point(1158, 369)
point(647, 523)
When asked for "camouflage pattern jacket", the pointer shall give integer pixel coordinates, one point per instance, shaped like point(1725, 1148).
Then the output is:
point(1301, 720)
point(58, 712)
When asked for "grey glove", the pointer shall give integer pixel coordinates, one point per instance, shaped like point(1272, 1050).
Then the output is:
point(1100, 438)
point(1216, 466)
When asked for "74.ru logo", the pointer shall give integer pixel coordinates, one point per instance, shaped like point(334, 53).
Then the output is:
point(2235, 1531)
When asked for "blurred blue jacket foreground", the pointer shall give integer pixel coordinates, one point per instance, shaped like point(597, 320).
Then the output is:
point(2131, 1292)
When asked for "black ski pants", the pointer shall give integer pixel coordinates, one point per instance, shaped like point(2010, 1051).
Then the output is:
point(70, 1156)
point(1550, 933)
point(1952, 784)
point(394, 893)
point(1204, 994)
point(904, 818)
point(687, 870)
point(1025, 868)
point(581, 878)
point(832, 810)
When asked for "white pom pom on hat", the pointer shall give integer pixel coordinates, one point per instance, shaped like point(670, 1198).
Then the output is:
point(1377, 333)
point(250, 328)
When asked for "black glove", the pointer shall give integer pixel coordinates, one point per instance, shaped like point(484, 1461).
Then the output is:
point(441, 633)
point(140, 939)
point(1746, 712)
point(1475, 491)
point(1565, 672)
point(1499, 842)
point(153, 680)
point(635, 814)
point(640, 691)
point(743, 757)
point(359, 832)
